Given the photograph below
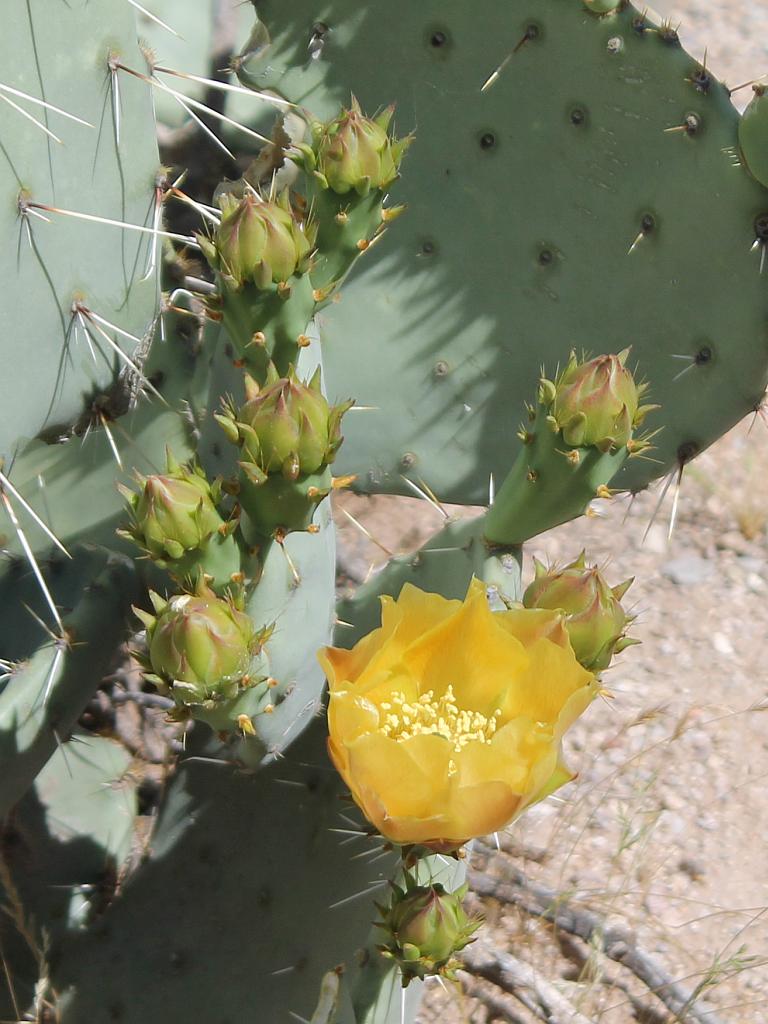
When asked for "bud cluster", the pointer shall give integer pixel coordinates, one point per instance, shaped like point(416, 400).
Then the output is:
point(285, 426)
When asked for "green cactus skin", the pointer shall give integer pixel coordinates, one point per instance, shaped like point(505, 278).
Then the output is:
point(496, 270)
point(50, 475)
point(46, 693)
point(350, 225)
point(262, 927)
point(65, 63)
point(753, 136)
point(63, 853)
point(191, 51)
point(602, 6)
point(283, 322)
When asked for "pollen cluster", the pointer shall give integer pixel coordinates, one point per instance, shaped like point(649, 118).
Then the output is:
point(441, 716)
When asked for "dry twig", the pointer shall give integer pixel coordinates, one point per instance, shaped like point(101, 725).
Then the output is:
point(522, 981)
point(617, 944)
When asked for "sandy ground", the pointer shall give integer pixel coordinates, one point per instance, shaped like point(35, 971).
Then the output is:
point(666, 829)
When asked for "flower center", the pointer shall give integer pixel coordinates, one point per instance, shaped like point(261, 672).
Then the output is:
point(441, 716)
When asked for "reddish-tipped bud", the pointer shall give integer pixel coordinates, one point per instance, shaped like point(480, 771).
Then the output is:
point(174, 512)
point(595, 402)
point(426, 926)
point(594, 617)
point(200, 646)
point(257, 240)
point(356, 153)
point(286, 427)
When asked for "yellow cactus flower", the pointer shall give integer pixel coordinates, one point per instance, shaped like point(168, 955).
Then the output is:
point(446, 722)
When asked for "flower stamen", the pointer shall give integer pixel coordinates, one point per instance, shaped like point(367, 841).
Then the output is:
point(440, 716)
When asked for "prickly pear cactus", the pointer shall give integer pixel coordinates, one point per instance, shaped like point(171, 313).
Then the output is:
point(174, 436)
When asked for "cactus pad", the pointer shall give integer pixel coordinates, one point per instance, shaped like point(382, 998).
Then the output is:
point(574, 184)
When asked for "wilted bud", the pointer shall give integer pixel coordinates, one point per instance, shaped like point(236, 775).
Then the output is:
point(355, 153)
point(426, 926)
point(594, 617)
point(257, 240)
point(286, 427)
point(200, 646)
point(595, 402)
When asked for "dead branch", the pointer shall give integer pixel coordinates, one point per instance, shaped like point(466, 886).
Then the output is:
point(618, 944)
point(522, 981)
point(496, 1002)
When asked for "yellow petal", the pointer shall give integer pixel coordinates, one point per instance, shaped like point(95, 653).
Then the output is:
point(351, 716)
point(405, 830)
point(541, 769)
point(575, 706)
point(541, 690)
point(505, 759)
point(479, 810)
point(470, 652)
point(420, 611)
point(380, 686)
point(414, 613)
point(531, 624)
point(342, 667)
point(559, 777)
point(382, 766)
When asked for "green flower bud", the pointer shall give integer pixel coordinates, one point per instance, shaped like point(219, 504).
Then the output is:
point(594, 617)
point(173, 513)
point(257, 240)
point(355, 153)
point(200, 646)
point(285, 427)
point(596, 402)
point(426, 926)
